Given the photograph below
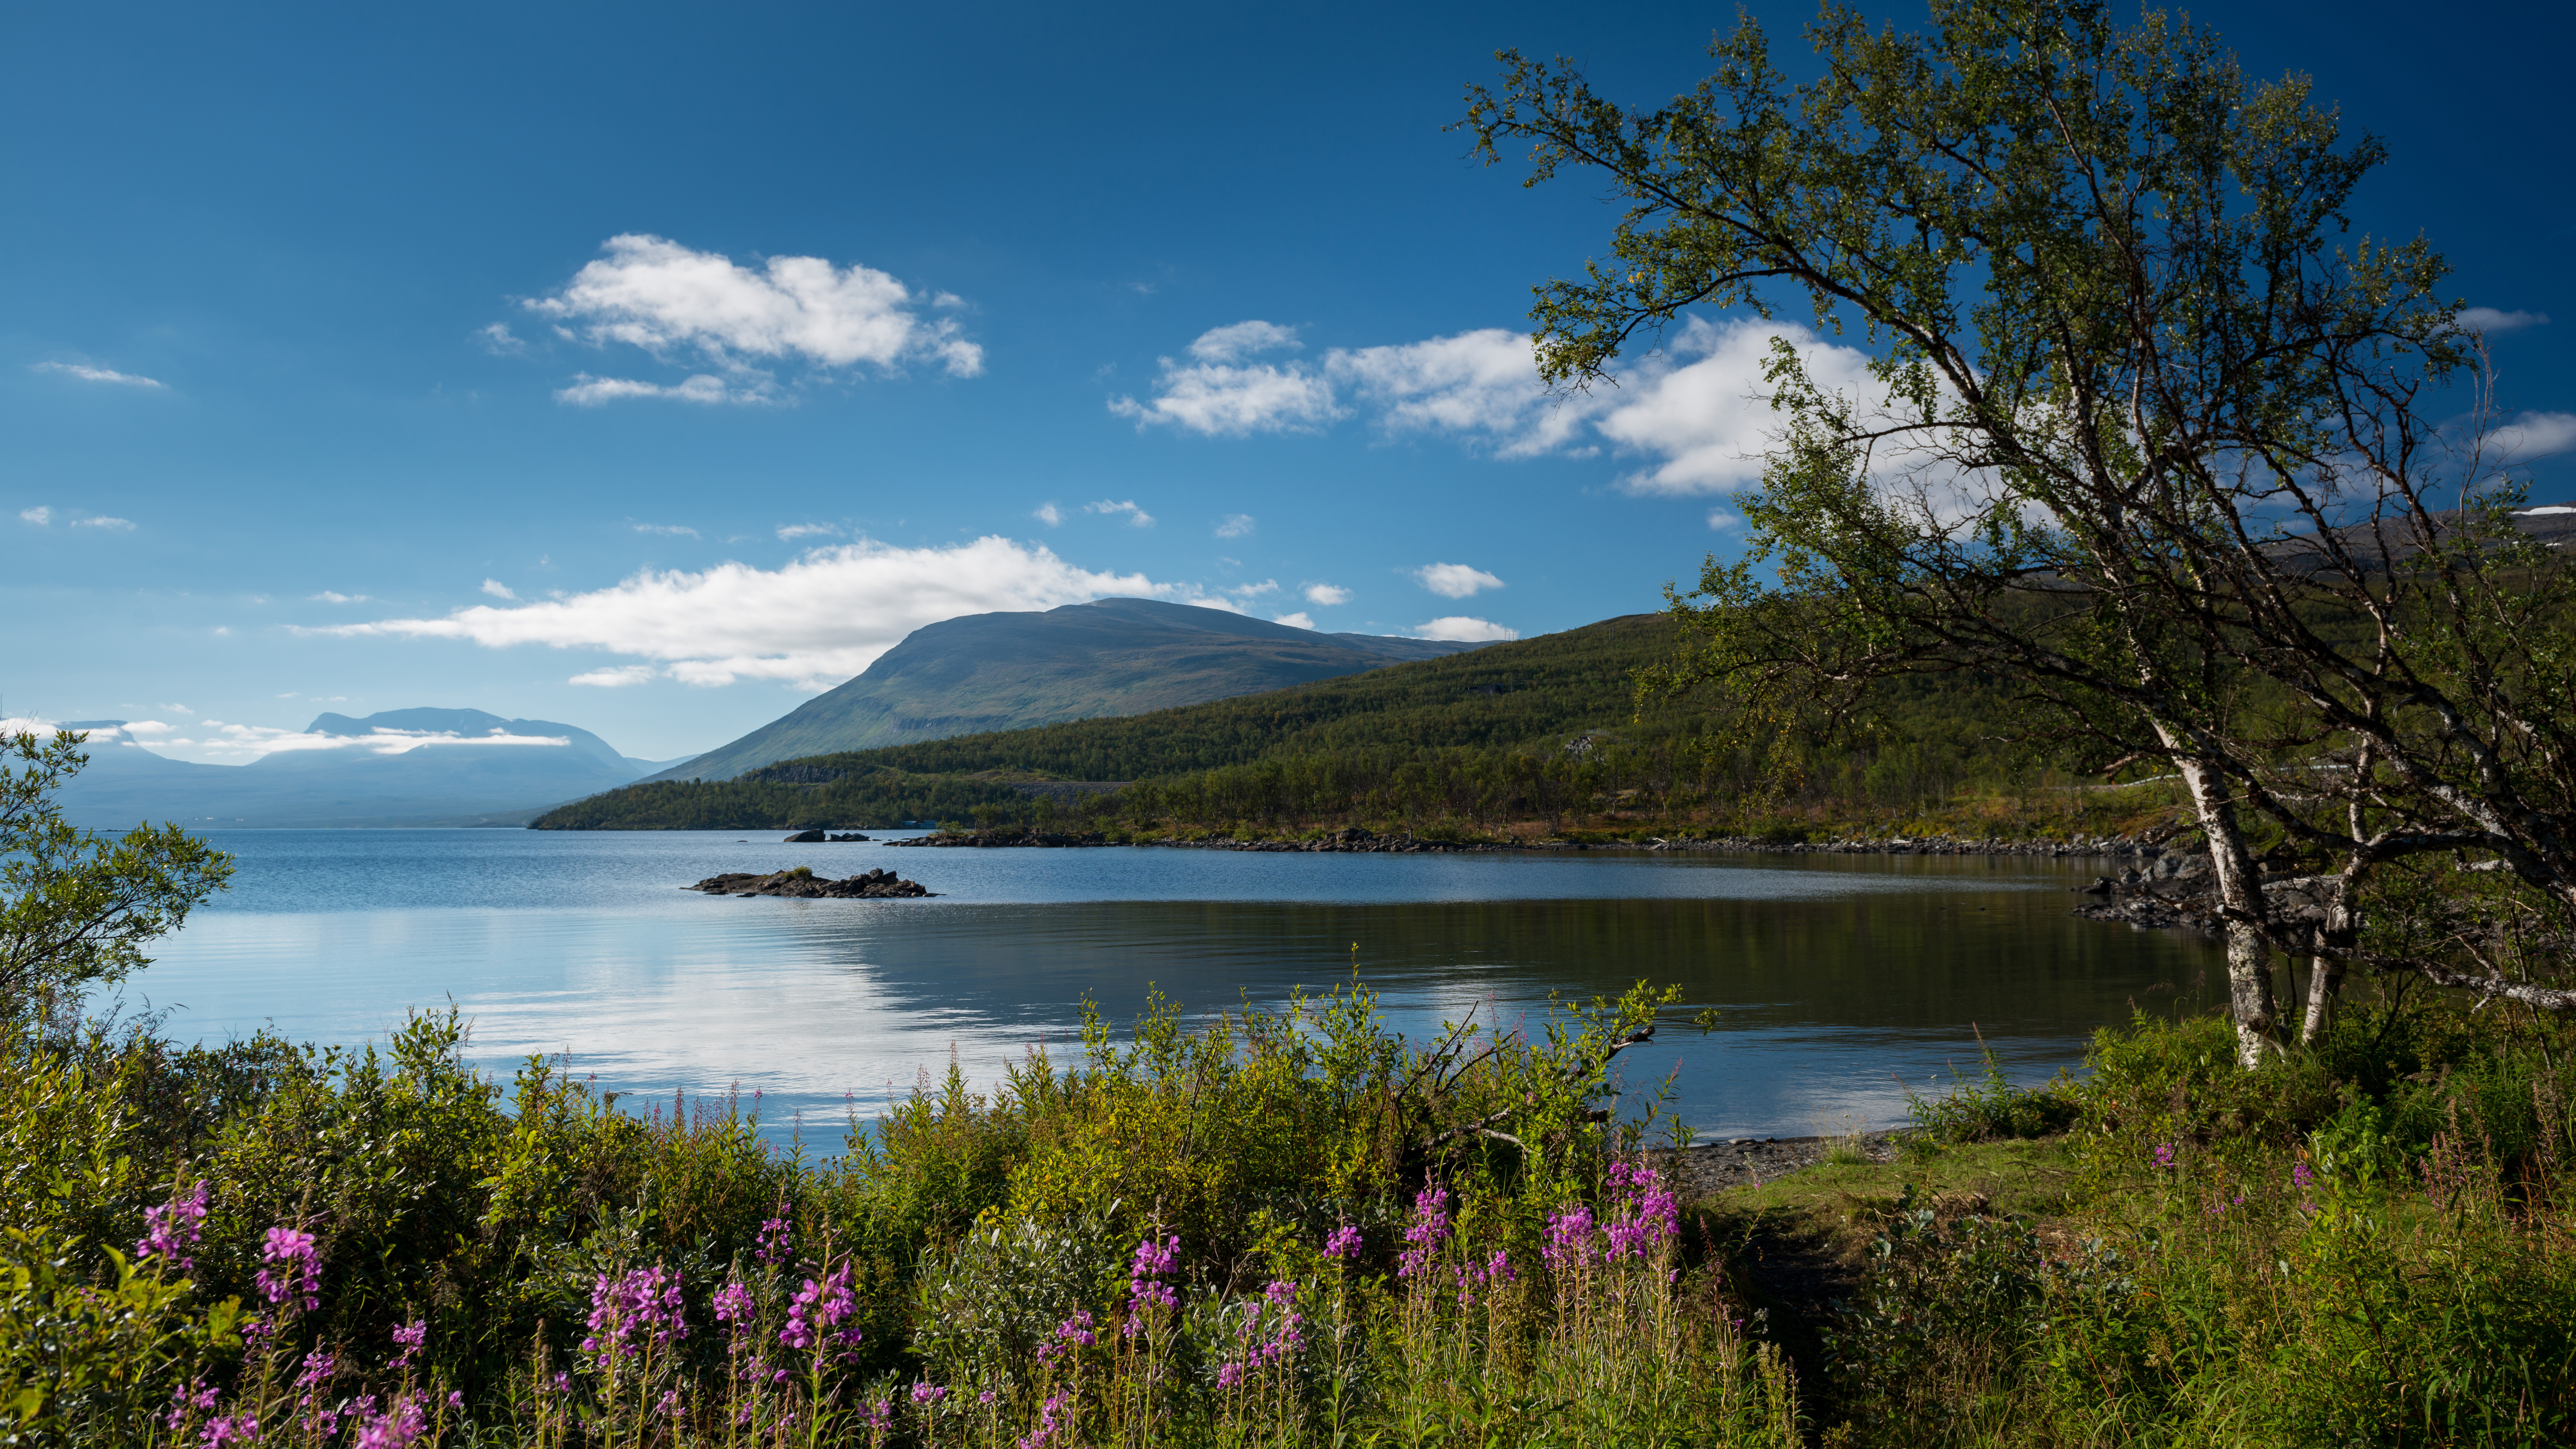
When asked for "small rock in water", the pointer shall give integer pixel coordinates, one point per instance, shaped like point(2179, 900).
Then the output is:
point(804, 883)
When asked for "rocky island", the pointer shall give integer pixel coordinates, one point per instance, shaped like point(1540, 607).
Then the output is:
point(803, 882)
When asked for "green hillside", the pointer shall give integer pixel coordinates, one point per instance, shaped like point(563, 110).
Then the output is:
point(983, 673)
point(1545, 730)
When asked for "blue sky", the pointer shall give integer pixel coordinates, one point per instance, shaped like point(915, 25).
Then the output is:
point(650, 368)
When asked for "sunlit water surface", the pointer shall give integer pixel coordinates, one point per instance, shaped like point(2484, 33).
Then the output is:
point(1839, 979)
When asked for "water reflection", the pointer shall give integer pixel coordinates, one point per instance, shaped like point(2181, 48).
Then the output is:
point(1834, 977)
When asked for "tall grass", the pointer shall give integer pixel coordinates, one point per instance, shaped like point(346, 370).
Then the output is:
point(1283, 1227)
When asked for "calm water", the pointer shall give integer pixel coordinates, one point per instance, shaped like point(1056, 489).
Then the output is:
point(1837, 976)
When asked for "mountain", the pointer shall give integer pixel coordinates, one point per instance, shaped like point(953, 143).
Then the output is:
point(475, 769)
point(988, 672)
point(1537, 695)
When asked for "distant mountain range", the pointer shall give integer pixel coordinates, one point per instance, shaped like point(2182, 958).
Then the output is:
point(403, 767)
point(459, 767)
point(988, 672)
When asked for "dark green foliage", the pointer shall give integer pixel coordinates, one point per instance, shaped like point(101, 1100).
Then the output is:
point(1546, 729)
point(76, 906)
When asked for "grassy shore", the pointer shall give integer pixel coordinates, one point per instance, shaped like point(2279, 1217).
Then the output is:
point(1293, 1228)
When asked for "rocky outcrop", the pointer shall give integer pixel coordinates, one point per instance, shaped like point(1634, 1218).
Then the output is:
point(803, 882)
point(817, 837)
point(992, 839)
point(2080, 845)
point(2180, 891)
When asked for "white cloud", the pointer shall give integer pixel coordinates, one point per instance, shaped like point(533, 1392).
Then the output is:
point(792, 531)
point(39, 515)
point(2490, 319)
point(813, 623)
point(1216, 397)
point(112, 525)
point(675, 530)
point(660, 296)
point(1460, 629)
point(1479, 383)
point(589, 392)
point(1221, 401)
point(1454, 581)
point(1136, 517)
point(617, 676)
point(1698, 413)
point(1327, 594)
point(1048, 514)
point(1298, 620)
point(498, 589)
point(1710, 418)
point(213, 741)
point(1234, 525)
point(1254, 591)
point(2535, 435)
point(1720, 518)
point(500, 341)
point(96, 374)
point(1239, 340)
point(332, 596)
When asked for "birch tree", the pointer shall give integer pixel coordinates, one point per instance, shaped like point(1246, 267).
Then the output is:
point(2151, 435)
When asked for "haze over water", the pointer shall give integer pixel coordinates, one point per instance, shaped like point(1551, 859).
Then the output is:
point(1835, 976)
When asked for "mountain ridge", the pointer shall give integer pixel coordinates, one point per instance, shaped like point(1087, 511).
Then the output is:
point(986, 673)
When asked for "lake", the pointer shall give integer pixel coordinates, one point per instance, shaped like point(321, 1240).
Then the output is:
point(1838, 977)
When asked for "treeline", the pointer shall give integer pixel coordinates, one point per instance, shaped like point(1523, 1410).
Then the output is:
point(1503, 694)
point(1544, 730)
point(873, 800)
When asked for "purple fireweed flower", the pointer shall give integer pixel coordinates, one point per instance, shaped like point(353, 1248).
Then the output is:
point(1424, 1235)
point(320, 1367)
point(668, 1406)
point(2164, 1154)
point(194, 1395)
point(1647, 1215)
point(396, 1428)
point(1074, 1333)
point(773, 1243)
point(927, 1394)
point(1286, 1337)
point(294, 1272)
point(819, 1307)
point(1344, 1243)
point(1053, 1420)
point(985, 1397)
point(1153, 1260)
point(1229, 1375)
point(2300, 1176)
point(881, 1415)
point(231, 1429)
point(1144, 1276)
point(634, 1307)
point(172, 1228)
point(410, 1337)
point(1569, 1238)
point(733, 1305)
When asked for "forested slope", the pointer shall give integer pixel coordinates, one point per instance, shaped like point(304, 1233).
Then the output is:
point(1545, 729)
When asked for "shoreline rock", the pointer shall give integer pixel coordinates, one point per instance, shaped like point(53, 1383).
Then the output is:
point(1705, 1169)
point(1009, 840)
point(804, 884)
